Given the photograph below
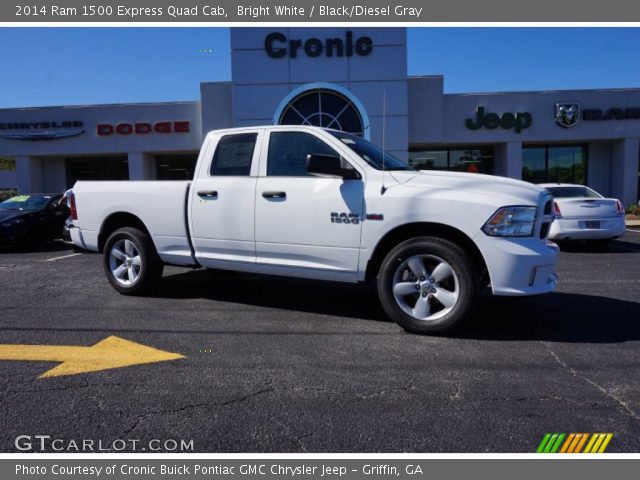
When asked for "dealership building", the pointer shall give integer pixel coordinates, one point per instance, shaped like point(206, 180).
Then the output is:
point(354, 79)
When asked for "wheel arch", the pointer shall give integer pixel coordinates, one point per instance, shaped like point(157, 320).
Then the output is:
point(420, 229)
point(116, 221)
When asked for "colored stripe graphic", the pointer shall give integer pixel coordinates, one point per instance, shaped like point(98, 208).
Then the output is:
point(554, 442)
point(581, 442)
point(605, 443)
point(567, 442)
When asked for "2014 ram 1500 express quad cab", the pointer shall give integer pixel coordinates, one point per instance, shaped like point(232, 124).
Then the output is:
point(309, 202)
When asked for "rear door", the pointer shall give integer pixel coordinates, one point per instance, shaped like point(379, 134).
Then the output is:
point(222, 202)
point(306, 225)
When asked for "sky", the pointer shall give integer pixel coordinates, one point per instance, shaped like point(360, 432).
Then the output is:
point(79, 66)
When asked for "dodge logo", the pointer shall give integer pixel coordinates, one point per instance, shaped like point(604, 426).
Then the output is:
point(567, 114)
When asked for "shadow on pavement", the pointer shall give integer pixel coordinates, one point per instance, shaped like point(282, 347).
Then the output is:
point(326, 298)
point(557, 317)
point(54, 246)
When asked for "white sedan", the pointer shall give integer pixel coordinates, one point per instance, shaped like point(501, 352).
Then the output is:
point(583, 214)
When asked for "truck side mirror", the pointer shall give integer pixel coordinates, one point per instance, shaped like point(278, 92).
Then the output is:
point(329, 166)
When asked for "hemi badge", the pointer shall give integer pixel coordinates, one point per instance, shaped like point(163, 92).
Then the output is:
point(375, 216)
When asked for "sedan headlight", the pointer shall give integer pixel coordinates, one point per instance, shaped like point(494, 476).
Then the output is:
point(511, 222)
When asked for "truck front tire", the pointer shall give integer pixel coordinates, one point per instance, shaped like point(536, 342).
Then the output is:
point(428, 285)
point(131, 262)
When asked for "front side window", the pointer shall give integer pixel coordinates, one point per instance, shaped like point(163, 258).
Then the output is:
point(370, 153)
point(288, 153)
point(233, 155)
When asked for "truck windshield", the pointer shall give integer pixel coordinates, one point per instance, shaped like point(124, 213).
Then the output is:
point(370, 153)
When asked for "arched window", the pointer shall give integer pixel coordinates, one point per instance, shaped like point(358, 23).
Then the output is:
point(322, 107)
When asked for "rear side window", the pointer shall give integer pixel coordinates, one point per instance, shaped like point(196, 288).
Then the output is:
point(233, 155)
point(573, 192)
point(288, 153)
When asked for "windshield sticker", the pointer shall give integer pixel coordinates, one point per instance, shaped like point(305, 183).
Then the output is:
point(348, 141)
point(18, 198)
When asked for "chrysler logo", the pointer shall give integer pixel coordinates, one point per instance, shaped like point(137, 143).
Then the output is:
point(567, 114)
point(41, 130)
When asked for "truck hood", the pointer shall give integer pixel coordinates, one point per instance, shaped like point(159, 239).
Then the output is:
point(506, 189)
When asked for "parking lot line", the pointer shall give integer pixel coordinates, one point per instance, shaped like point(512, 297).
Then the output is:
point(632, 230)
point(64, 256)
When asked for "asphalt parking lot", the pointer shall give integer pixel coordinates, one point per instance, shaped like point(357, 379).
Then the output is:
point(281, 365)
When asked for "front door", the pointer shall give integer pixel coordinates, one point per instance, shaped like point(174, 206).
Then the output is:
point(306, 225)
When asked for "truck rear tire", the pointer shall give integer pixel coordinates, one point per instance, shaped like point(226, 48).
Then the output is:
point(429, 285)
point(131, 262)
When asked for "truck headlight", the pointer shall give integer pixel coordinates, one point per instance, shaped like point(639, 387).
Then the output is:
point(511, 222)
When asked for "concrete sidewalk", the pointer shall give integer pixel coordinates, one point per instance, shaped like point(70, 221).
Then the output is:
point(632, 223)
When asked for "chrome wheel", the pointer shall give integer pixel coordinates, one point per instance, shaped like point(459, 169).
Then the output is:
point(425, 287)
point(125, 262)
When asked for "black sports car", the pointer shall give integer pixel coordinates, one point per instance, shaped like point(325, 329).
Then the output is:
point(31, 219)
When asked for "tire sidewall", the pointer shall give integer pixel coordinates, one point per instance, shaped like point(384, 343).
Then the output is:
point(141, 245)
point(463, 267)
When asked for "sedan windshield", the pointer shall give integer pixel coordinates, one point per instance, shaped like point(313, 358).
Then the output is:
point(25, 202)
point(573, 192)
point(370, 153)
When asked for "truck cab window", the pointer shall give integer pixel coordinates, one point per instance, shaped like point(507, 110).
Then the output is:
point(288, 153)
point(233, 155)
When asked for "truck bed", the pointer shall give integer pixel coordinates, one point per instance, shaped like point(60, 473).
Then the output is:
point(160, 205)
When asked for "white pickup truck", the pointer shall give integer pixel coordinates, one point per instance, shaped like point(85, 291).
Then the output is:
point(308, 202)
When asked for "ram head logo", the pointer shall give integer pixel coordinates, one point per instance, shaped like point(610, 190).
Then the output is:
point(567, 114)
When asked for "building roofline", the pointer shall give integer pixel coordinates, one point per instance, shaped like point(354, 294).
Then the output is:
point(99, 105)
point(563, 91)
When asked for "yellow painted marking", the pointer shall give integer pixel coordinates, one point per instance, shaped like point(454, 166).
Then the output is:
point(607, 439)
point(593, 439)
point(112, 352)
point(599, 440)
point(583, 439)
point(567, 442)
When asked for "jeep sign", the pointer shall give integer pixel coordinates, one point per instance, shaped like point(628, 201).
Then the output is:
point(516, 121)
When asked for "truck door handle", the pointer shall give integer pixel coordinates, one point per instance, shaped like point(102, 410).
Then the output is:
point(208, 194)
point(274, 194)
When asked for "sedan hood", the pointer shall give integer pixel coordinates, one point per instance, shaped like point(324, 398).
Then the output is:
point(515, 192)
point(6, 215)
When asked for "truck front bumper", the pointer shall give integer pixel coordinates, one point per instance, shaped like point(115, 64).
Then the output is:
point(519, 266)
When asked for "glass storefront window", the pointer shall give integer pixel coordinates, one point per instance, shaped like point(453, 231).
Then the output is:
point(8, 164)
point(534, 164)
point(96, 168)
point(554, 163)
point(429, 160)
point(464, 159)
point(176, 167)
